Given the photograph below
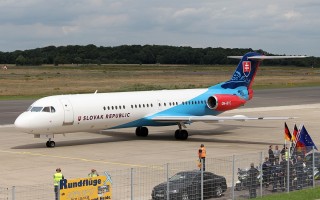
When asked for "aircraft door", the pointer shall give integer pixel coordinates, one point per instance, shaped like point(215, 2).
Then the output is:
point(68, 112)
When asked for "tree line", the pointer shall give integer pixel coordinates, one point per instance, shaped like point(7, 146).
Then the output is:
point(137, 54)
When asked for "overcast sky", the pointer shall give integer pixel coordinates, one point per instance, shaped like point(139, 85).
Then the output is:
point(281, 27)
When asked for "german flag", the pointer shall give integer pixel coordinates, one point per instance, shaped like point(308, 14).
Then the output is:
point(287, 134)
point(294, 134)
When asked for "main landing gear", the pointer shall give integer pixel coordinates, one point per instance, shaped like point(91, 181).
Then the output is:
point(50, 143)
point(180, 133)
point(142, 131)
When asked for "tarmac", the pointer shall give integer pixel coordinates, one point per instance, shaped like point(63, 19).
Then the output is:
point(27, 161)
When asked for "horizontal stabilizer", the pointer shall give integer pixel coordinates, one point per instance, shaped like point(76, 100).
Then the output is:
point(267, 57)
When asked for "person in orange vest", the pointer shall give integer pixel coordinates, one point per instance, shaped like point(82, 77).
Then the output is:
point(202, 156)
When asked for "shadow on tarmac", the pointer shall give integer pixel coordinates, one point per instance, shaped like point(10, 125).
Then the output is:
point(160, 136)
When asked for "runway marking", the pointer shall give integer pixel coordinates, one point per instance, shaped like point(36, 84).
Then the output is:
point(72, 158)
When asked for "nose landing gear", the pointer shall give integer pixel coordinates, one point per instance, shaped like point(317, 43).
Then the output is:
point(50, 143)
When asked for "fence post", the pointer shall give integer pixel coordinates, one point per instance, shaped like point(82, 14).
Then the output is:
point(288, 169)
point(59, 190)
point(313, 165)
point(13, 192)
point(233, 168)
point(202, 178)
point(131, 176)
point(261, 160)
point(168, 195)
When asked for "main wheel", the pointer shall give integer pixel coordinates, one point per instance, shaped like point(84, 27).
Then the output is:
point(181, 134)
point(184, 134)
point(142, 131)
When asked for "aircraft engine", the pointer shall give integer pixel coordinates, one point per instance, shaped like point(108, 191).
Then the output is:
point(224, 102)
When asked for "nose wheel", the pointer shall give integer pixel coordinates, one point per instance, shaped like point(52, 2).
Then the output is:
point(50, 144)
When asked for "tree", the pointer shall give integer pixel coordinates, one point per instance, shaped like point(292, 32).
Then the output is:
point(21, 60)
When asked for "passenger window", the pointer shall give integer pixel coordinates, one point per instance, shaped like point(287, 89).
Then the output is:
point(112, 107)
point(176, 103)
point(131, 106)
point(136, 106)
point(165, 104)
point(151, 105)
point(143, 105)
point(169, 103)
point(139, 105)
point(123, 107)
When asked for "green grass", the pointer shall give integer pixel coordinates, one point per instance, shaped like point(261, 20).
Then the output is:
point(307, 194)
point(32, 82)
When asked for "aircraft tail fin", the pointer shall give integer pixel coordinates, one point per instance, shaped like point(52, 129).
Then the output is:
point(247, 69)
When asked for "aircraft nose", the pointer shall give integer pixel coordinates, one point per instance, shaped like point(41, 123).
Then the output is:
point(22, 123)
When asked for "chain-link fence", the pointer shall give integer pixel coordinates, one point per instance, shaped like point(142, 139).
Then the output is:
point(234, 177)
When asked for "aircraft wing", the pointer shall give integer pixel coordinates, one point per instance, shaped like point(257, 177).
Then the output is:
point(209, 118)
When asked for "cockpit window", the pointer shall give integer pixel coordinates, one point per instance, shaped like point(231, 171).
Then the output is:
point(46, 109)
point(29, 108)
point(49, 109)
point(53, 109)
point(36, 109)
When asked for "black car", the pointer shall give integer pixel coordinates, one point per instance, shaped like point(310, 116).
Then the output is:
point(187, 185)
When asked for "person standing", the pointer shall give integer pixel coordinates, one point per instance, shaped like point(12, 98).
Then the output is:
point(271, 155)
point(93, 173)
point(276, 153)
point(202, 156)
point(299, 172)
point(266, 171)
point(56, 180)
point(253, 181)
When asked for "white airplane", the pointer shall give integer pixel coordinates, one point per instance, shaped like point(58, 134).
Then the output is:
point(100, 111)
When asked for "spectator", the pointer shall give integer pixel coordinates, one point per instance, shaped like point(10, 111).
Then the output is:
point(276, 153)
point(299, 172)
point(271, 155)
point(266, 171)
point(253, 181)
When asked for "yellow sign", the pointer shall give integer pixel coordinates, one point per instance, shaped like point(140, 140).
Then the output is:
point(95, 188)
